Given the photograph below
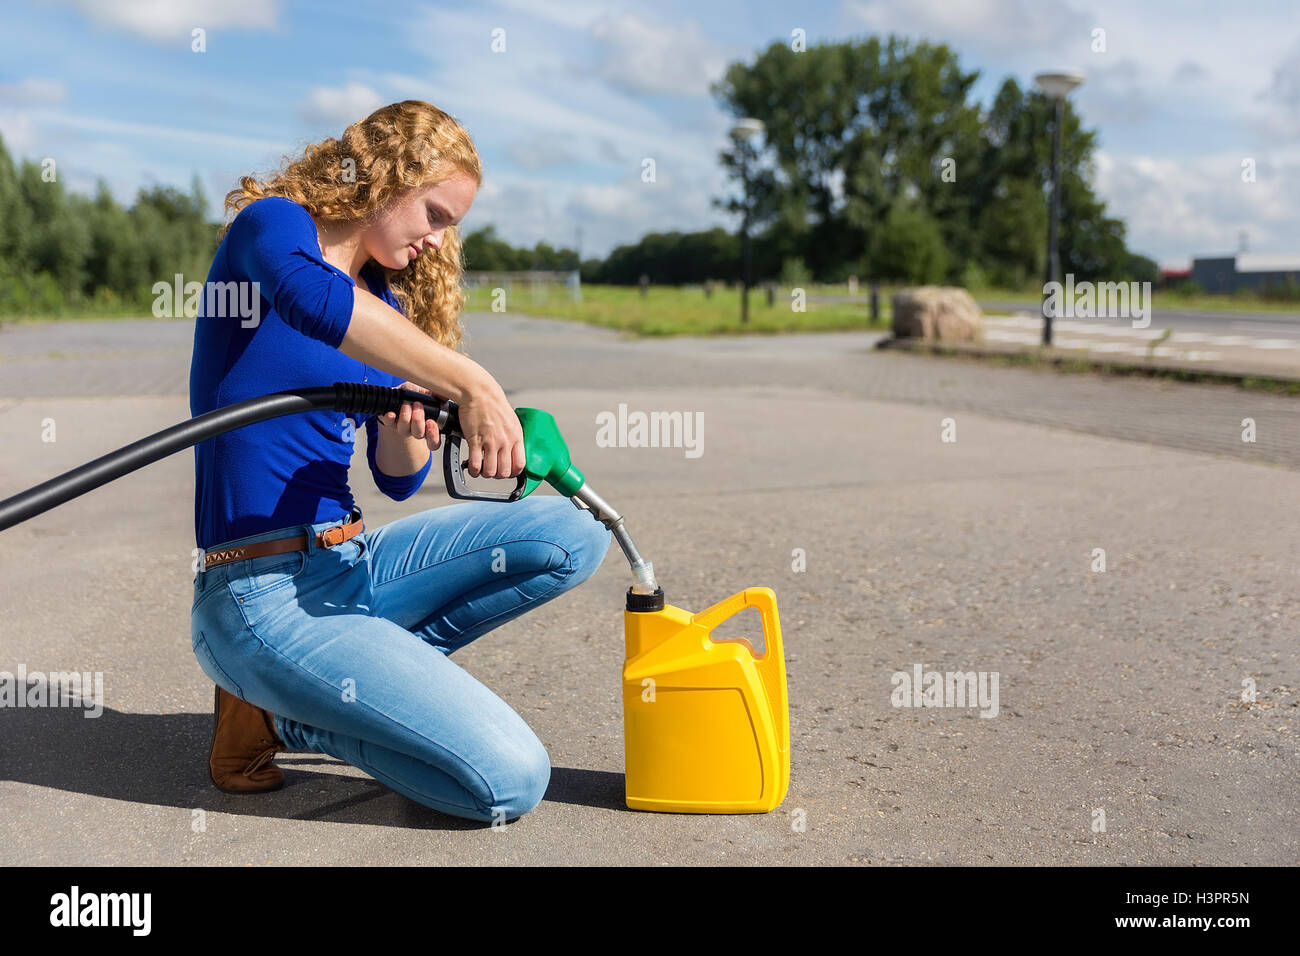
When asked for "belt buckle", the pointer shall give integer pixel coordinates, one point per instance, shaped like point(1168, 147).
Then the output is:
point(333, 537)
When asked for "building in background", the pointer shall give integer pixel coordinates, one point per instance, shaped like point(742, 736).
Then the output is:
point(1252, 271)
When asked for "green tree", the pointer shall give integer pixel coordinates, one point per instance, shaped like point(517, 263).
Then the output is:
point(852, 127)
point(60, 250)
point(1019, 146)
point(849, 127)
point(909, 247)
point(1012, 230)
point(59, 236)
point(484, 251)
point(673, 258)
point(15, 215)
point(116, 254)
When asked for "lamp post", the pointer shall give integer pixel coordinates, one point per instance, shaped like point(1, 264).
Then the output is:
point(1057, 86)
point(743, 132)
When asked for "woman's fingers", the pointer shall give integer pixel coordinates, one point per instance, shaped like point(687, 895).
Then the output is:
point(412, 421)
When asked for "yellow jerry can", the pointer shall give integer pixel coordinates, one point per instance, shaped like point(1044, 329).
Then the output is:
point(706, 724)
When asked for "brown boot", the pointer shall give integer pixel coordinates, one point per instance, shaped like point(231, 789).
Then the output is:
point(244, 745)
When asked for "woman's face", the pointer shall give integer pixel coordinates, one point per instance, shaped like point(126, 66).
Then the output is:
point(415, 223)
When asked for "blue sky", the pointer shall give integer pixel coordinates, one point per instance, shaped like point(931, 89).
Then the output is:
point(1181, 95)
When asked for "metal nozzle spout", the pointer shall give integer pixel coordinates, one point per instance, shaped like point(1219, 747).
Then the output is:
point(600, 509)
point(645, 577)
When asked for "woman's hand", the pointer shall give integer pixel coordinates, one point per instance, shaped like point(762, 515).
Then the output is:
point(411, 423)
point(492, 431)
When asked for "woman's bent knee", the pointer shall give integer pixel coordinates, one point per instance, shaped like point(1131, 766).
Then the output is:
point(588, 543)
point(519, 784)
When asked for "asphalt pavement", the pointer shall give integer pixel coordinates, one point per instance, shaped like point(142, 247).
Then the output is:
point(949, 514)
point(1207, 321)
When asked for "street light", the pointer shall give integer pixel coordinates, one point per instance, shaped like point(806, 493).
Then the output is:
point(745, 130)
point(1057, 86)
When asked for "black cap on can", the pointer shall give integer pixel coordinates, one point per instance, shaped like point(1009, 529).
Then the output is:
point(645, 602)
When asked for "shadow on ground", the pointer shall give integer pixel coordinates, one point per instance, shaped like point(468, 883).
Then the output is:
point(161, 759)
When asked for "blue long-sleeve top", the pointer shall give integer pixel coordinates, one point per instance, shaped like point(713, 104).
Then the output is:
point(292, 469)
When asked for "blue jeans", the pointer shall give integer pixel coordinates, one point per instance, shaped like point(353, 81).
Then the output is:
point(348, 646)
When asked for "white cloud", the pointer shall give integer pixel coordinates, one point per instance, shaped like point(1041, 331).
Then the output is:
point(997, 28)
point(499, 101)
point(1189, 72)
point(82, 166)
point(1116, 91)
point(18, 131)
point(154, 132)
point(1281, 97)
point(1184, 57)
point(340, 107)
point(574, 14)
point(170, 21)
point(36, 92)
point(650, 58)
point(1177, 209)
point(539, 152)
point(526, 210)
point(610, 153)
point(1190, 61)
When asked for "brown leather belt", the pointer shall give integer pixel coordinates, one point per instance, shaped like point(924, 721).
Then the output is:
point(329, 538)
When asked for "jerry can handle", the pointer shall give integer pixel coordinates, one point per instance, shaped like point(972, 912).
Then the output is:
point(764, 599)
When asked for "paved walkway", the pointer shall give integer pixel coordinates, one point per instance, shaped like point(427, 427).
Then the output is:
point(1261, 355)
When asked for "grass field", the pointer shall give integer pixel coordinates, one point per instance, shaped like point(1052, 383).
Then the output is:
point(686, 310)
point(668, 310)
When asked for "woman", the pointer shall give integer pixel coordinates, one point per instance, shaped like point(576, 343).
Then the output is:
point(321, 634)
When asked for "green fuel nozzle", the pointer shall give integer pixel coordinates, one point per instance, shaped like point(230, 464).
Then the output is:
point(546, 460)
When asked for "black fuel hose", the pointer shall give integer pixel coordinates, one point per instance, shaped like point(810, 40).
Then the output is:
point(340, 397)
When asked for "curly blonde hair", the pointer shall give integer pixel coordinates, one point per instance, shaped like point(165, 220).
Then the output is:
point(399, 147)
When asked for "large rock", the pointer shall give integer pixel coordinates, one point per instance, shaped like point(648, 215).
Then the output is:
point(939, 313)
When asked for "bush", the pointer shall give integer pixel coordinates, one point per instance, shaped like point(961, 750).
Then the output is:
point(27, 295)
point(908, 247)
point(794, 273)
point(1286, 290)
point(106, 300)
point(1187, 288)
point(973, 277)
